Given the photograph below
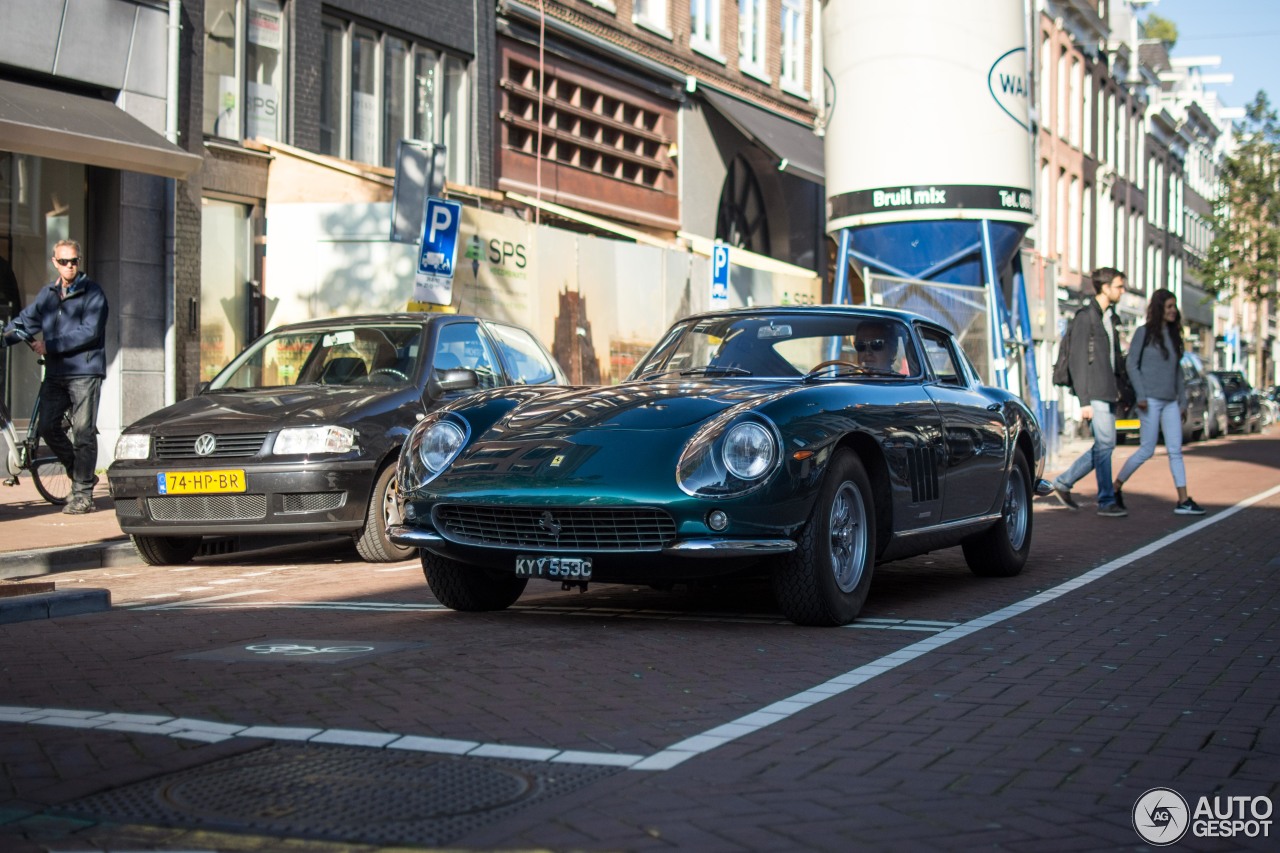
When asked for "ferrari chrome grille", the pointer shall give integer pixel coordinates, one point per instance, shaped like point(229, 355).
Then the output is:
point(225, 446)
point(595, 529)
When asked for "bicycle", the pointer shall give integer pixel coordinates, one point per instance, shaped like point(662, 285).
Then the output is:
point(48, 474)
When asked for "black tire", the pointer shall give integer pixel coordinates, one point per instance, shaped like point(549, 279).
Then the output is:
point(51, 479)
point(166, 550)
point(1198, 434)
point(824, 581)
point(1001, 550)
point(385, 509)
point(470, 588)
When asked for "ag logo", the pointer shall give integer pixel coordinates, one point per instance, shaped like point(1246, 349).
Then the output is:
point(1161, 816)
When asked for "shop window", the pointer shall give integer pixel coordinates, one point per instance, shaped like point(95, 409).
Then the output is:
point(378, 88)
point(244, 62)
point(742, 218)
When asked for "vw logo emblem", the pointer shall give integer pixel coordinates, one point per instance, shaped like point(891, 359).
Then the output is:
point(548, 522)
point(206, 444)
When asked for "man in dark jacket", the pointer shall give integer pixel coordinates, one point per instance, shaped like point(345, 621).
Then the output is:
point(1094, 354)
point(66, 324)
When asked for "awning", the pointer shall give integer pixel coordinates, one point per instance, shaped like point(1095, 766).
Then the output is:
point(80, 129)
point(795, 146)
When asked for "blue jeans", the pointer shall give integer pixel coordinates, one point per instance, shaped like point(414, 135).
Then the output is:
point(76, 396)
point(1160, 416)
point(1098, 457)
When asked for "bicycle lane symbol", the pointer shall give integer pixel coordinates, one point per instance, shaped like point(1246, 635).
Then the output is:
point(295, 649)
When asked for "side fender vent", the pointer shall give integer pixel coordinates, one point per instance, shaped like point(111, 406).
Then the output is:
point(922, 470)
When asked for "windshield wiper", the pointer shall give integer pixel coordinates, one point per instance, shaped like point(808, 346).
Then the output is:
point(712, 370)
point(707, 370)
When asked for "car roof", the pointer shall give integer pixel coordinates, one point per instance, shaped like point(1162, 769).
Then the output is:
point(421, 318)
point(850, 310)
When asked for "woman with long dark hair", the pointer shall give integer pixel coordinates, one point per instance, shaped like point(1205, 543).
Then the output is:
point(1154, 368)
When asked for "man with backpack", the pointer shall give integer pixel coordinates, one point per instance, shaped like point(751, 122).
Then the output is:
point(1093, 355)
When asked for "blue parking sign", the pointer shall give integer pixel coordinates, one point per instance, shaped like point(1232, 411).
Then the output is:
point(719, 275)
point(438, 252)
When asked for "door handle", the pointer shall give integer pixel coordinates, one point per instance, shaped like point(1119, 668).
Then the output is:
point(994, 407)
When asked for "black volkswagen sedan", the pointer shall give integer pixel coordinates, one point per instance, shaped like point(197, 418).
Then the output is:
point(300, 433)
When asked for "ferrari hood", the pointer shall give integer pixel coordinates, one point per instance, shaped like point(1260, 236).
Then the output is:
point(673, 405)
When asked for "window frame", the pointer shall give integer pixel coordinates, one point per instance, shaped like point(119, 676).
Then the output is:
point(451, 127)
point(752, 29)
point(242, 15)
point(704, 28)
point(793, 54)
point(652, 15)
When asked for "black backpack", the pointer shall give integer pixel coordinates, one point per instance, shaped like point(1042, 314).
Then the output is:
point(1062, 367)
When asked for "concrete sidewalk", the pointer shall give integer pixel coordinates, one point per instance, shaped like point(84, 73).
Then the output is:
point(36, 538)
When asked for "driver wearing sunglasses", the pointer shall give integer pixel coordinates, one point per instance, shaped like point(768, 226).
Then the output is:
point(876, 345)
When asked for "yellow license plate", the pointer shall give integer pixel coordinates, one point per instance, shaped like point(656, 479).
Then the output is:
point(1128, 423)
point(200, 482)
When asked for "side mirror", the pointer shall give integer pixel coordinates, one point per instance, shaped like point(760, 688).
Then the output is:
point(454, 379)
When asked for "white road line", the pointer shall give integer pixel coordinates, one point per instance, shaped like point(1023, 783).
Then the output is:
point(781, 710)
point(665, 759)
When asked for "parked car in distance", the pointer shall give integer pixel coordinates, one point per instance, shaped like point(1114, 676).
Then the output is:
point(1270, 405)
point(300, 433)
point(804, 443)
point(1219, 424)
point(1244, 404)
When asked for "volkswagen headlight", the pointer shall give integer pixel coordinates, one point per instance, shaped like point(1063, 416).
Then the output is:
point(321, 439)
point(432, 445)
point(133, 445)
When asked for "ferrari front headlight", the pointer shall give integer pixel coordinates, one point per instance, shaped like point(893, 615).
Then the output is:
point(749, 450)
point(430, 448)
point(729, 456)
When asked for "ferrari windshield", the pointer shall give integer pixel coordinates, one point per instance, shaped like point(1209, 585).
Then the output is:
point(338, 355)
point(787, 345)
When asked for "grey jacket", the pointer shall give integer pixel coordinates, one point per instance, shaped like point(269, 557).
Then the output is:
point(1153, 372)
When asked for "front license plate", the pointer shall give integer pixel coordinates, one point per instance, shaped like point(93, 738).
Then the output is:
point(1128, 423)
point(558, 568)
point(200, 482)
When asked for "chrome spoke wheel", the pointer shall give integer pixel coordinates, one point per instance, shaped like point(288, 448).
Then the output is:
point(1016, 510)
point(848, 524)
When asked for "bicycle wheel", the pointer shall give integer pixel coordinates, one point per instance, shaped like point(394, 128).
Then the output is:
point(51, 479)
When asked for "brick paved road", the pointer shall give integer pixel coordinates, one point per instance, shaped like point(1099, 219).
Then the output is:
point(1037, 731)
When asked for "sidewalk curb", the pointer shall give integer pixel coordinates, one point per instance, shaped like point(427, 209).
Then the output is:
point(45, 561)
point(50, 605)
